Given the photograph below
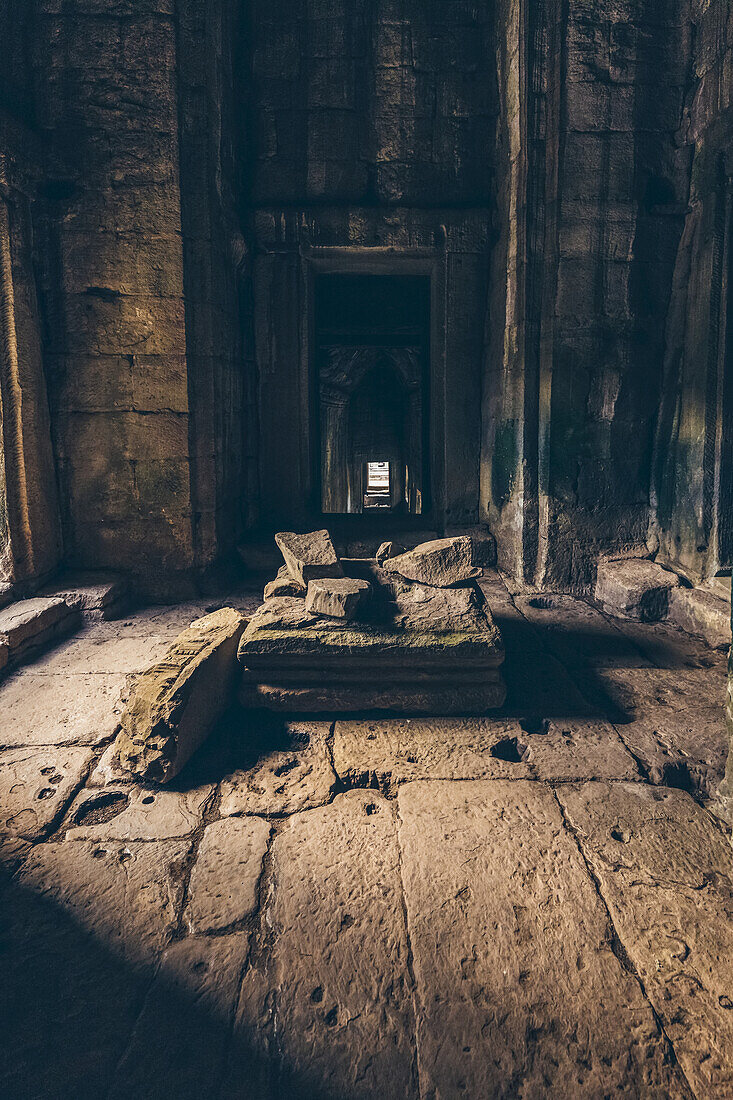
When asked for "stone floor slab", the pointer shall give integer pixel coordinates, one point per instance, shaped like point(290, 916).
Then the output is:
point(35, 785)
point(578, 634)
point(513, 998)
point(125, 895)
point(179, 1044)
point(222, 889)
point(329, 994)
point(666, 874)
point(53, 710)
point(284, 780)
point(137, 813)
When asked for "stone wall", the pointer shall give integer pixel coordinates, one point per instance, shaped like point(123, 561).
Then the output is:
point(693, 476)
point(596, 227)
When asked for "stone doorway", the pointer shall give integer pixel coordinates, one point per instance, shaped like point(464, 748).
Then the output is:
point(372, 381)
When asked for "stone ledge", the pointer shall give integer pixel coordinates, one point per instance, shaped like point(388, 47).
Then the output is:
point(698, 611)
point(97, 596)
point(29, 625)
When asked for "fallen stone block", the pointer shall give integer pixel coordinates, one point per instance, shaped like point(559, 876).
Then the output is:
point(4, 654)
point(283, 585)
point(389, 550)
point(703, 613)
point(29, 625)
point(441, 563)
point(338, 597)
point(98, 596)
point(635, 588)
point(309, 557)
point(483, 544)
point(174, 704)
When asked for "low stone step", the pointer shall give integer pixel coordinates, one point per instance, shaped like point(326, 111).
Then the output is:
point(96, 595)
point(29, 625)
point(635, 588)
point(699, 611)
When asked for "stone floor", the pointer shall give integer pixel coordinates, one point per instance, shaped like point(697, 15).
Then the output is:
point(532, 905)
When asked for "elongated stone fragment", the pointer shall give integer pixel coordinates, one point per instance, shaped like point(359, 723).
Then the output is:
point(442, 562)
point(174, 704)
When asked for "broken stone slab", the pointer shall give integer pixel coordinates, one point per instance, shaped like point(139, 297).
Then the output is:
point(309, 557)
point(174, 704)
point(635, 587)
point(698, 611)
point(441, 563)
point(41, 709)
point(283, 585)
point(512, 953)
point(483, 544)
point(223, 885)
point(98, 596)
point(337, 597)
point(29, 625)
point(665, 871)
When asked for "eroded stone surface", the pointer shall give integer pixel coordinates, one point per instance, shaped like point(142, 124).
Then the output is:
point(96, 595)
point(284, 780)
point(508, 989)
point(223, 885)
point(339, 1000)
point(35, 785)
point(50, 710)
point(174, 704)
point(132, 813)
point(126, 895)
point(422, 607)
point(180, 1040)
point(337, 597)
point(309, 556)
point(442, 562)
point(635, 587)
point(666, 874)
point(283, 585)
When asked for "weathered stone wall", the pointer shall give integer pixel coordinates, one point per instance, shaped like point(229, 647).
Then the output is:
point(373, 128)
point(594, 127)
point(693, 476)
point(116, 336)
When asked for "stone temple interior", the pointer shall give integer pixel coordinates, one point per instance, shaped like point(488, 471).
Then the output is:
point(366, 533)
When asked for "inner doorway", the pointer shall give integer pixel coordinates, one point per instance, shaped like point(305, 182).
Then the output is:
point(372, 356)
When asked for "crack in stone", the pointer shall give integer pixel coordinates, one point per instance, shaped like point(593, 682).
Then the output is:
point(410, 962)
point(619, 950)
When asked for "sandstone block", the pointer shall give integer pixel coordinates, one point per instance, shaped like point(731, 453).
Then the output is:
point(4, 654)
point(35, 784)
point(634, 587)
point(283, 585)
point(338, 597)
point(441, 563)
point(129, 812)
point(174, 704)
point(703, 613)
point(29, 625)
point(52, 710)
point(309, 557)
point(483, 544)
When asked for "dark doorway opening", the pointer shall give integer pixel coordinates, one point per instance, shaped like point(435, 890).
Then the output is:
point(372, 364)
